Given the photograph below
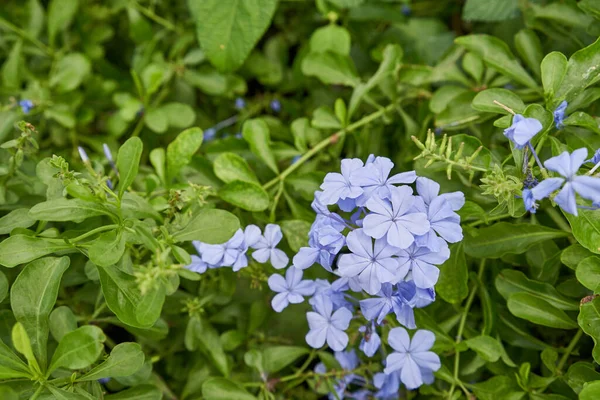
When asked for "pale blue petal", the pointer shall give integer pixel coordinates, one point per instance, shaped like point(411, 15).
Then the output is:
point(546, 187)
point(566, 199)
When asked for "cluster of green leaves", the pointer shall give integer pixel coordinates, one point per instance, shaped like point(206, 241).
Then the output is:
point(93, 258)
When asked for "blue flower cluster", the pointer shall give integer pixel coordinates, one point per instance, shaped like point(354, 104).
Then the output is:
point(233, 253)
point(385, 245)
point(566, 164)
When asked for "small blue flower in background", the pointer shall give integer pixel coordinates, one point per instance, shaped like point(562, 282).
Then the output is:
point(372, 263)
point(26, 106)
point(371, 341)
point(406, 10)
point(348, 361)
point(103, 381)
point(240, 103)
point(295, 159)
point(421, 262)
point(107, 152)
point(83, 154)
point(412, 357)
point(567, 166)
point(265, 248)
point(231, 253)
point(327, 326)
point(209, 134)
point(388, 385)
point(394, 219)
point(275, 105)
point(559, 114)
point(595, 158)
point(291, 289)
point(522, 130)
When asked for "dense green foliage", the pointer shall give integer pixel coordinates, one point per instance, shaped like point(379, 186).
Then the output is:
point(93, 283)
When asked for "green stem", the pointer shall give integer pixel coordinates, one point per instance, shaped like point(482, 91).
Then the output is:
point(93, 232)
point(497, 217)
point(25, 35)
point(37, 393)
point(159, 20)
point(326, 142)
point(572, 344)
point(558, 220)
point(276, 201)
point(461, 328)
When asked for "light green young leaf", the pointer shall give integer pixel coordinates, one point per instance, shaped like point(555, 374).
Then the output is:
point(78, 349)
point(20, 249)
point(181, 150)
point(332, 38)
point(62, 321)
point(124, 360)
point(256, 133)
point(156, 120)
point(539, 311)
point(179, 115)
point(209, 226)
point(590, 391)
point(505, 238)
point(230, 167)
point(229, 29)
point(246, 195)
point(497, 54)
point(107, 249)
point(32, 298)
point(224, 389)
point(22, 343)
point(128, 162)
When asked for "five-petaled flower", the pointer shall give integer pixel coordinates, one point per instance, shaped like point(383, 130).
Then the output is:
point(522, 130)
point(265, 248)
point(289, 290)
point(327, 326)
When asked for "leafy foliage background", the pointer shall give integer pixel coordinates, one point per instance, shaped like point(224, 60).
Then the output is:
point(517, 315)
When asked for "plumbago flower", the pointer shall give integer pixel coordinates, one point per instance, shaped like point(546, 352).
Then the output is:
point(522, 130)
point(383, 243)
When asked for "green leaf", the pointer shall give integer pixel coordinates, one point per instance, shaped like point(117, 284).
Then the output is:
point(62, 321)
point(331, 68)
point(589, 321)
point(158, 159)
point(581, 373)
point(69, 72)
point(11, 366)
point(32, 297)
point(66, 210)
point(497, 54)
point(201, 334)
point(573, 255)
point(3, 286)
point(141, 392)
point(246, 195)
point(490, 10)
point(124, 360)
point(78, 349)
point(276, 358)
point(582, 71)
point(18, 218)
point(6, 393)
point(230, 167)
point(591, 7)
point(539, 311)
point(11, 70)
point(128, 162)
point(156, 120)
point(20, 249)
point(444, 96)
point(296, 233)
point(179, 115)
point(60, 16)
point(473, 65)
point(149, 309)
point(588, 273)
point(529, 47)
point(583, 120)
point(505, 238)
point(332, 38)
point(224, 389)
point(487, 347)
point(107, 249)
point(484, 101)
point(181, 150)
point(453, 283)
point(256, 133)
point(121, 294)
point(509, 282)
point(590, 391)
point(324, 118)
point(553, 68)
point(209, 226)
point(228, 30)
point(498, 387)
point(586, 229)
point(62, 394)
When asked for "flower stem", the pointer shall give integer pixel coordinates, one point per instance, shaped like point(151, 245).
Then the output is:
point(572, 344)
point(25, 35)
point(326, 142)
point(159, 20)
point(93, 232)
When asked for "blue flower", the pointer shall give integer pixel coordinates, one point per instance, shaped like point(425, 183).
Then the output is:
point(595, 158)
point(421, 262)
point(83, 154)
point(567, 165)
point(240, 103)
point(373, 178)
point(324, 244)
point(388, 385)
point(559, 114)
point(327, 326)
point(197, 265)
point(348, 361)
point(233, 252)
point(334, 292)
point(291, 289)
point(26, 106)
point(394, 219)
point(412, 357)
point(401, 302)
point(422, 297)
point(265, 248)
point(107, 152)
point(275, 105)
point(522, 130)
point(529, 201)
point(338, 187)
point(405, 10)
point(372, 263)
point(103, 381)
point(209, 134)
point(429, 190)
point(371, 341)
